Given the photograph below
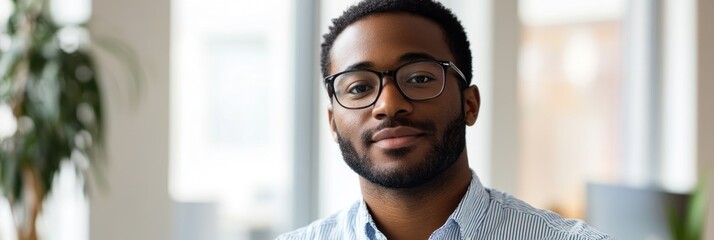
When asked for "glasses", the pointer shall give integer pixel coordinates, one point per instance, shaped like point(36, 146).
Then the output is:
point(416, 81)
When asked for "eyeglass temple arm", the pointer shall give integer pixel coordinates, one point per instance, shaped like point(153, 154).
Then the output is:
point(458, 71)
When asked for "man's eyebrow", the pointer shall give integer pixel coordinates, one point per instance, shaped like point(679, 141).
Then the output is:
point(360, 65)
point(407, 57)
point(415, 56)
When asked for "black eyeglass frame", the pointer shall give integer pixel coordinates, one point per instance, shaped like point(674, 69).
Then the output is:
point(445, 65)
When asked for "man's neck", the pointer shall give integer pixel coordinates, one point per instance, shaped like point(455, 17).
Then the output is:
point(417, 212)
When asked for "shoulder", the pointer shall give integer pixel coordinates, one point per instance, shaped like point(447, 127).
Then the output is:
point(335, 226)
point(508, 214)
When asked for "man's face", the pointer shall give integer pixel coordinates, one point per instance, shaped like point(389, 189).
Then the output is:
point(398, 143)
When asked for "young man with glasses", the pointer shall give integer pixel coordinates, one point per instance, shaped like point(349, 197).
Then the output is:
point(398, 73)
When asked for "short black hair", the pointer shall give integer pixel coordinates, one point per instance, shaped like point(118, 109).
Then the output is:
point(435, 11)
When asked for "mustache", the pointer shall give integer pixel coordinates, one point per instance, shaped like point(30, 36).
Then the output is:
point(427, 127)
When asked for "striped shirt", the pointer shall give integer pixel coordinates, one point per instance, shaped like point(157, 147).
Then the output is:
point(483, 213)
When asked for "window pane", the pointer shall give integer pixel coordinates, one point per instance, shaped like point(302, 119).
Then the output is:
point(231, 149)
point(570, 101)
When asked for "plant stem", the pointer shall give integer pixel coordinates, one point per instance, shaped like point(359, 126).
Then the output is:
point(32, 204)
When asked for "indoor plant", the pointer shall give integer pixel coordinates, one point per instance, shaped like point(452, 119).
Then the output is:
point(691, 224)
point(52, 107)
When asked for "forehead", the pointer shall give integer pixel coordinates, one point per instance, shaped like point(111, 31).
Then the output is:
point(381, 39)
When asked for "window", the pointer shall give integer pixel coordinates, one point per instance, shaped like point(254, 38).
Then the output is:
point(605, 96)
point(232, 139)
point(571, 100)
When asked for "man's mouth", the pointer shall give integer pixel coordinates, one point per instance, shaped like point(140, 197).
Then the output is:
point(396, 137)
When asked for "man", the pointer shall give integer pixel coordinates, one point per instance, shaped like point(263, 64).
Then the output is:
point(398, 74)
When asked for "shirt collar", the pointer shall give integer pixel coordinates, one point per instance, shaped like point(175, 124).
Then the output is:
point(365, 227)
point(468, 215)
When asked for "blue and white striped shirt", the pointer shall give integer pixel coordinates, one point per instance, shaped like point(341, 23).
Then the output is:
point(483, 213)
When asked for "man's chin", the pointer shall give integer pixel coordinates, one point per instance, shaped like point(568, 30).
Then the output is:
point(405, 171)
point(397, 178)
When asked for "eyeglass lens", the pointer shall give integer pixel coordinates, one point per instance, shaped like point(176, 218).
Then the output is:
point(418, 81)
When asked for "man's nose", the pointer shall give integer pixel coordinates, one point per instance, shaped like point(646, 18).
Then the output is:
point(391, 102)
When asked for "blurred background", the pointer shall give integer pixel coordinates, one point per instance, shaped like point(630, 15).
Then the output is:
point(593, 109)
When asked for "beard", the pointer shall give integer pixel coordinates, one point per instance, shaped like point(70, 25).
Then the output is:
point(442, 154)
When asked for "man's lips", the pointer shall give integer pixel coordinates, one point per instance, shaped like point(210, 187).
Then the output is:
point(396, 137)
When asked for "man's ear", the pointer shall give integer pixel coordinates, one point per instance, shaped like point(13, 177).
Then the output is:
point(331, 120)
point(472, 104)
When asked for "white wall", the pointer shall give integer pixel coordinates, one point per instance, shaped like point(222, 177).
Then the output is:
point(134, 204)
point(504, 43)
point(705, 125)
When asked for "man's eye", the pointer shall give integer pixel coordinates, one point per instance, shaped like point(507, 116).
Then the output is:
point(419, 79)
point(359, 89)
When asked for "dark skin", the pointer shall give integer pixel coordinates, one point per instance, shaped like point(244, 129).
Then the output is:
point(383, 42)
